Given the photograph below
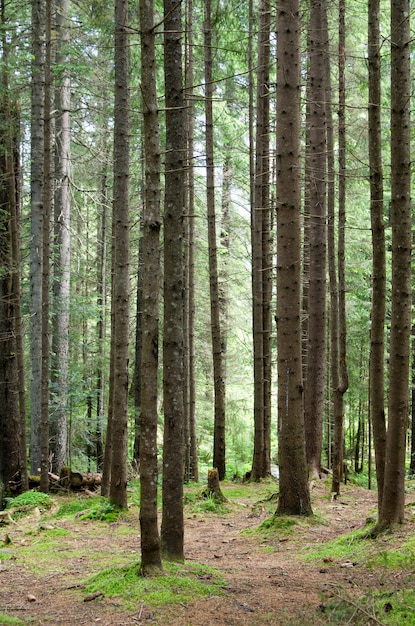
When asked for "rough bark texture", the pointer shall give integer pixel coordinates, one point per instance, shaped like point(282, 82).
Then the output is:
point(219, 443)
point(260, 268)
point(62, 240)
point(393, 501)
point(36, 189)
point(150, 539)
point(121, 286)
point(294, 497)
point(10, 447)
point(192, 471)
point(172, 526)
point(317, 171)
point(343, 382)
point(377, 330)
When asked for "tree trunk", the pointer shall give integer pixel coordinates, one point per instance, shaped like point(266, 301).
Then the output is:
point(61, 275)
point(343, 381)
point(10, 422)
point(219, 443)
point(192, 471)
point(260, 258)
point(47, 212)
point(294, 496)
point(150, 539)
point(393, 500)
point(121, 286)
point(172, 526)
point(377, 329)
point(36, 189)
point(317, 171)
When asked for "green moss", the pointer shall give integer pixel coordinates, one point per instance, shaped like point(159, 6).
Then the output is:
point(178, 583)
point(29, 500)
point(352, 546)
point(7, 620)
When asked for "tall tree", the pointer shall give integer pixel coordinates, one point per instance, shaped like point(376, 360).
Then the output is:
point(219, 443)
point(172, 525)
point(192, 469)
point(294, 496)
point(260, 261)
point(377, 329)
point(36, 191)
point(61, 265)
point(121, 283)
point(343, 381)
point(317, 171)
point(47, 212)
point(10, 423)
point(393, 501)
point(150, 539)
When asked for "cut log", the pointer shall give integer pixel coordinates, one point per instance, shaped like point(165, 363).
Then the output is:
point(79, 480)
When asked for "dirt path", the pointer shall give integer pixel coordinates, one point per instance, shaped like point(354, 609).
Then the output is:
point(266, 582)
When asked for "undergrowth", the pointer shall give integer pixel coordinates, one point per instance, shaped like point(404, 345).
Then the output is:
point(179, 583)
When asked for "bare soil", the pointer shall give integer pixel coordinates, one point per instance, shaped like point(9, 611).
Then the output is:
point(267, 580)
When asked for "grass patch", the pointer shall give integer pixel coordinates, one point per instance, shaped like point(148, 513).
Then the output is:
point(8, 620)
point(390, 608)
point(399, 558)
point(98, 508)
point(27, 502)
point(198, 503)
point(179, 583)
point(352, 546)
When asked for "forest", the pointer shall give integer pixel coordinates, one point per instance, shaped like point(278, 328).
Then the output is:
point(205, 252)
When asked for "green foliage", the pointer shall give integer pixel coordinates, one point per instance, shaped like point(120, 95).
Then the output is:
point(390, 608)
point(96, 508)
point(352, 546)
point(29, 500)
point(399, 558)
point(8, 620)
point(180, 583)
point(199, 503)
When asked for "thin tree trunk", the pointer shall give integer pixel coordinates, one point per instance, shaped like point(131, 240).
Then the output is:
point(377, 329)
point(121, 286)
point(294, 496)
point(47, 212)
point(36, 221)
point(12, 454)
point(150, 539)
point(172, 526)
point(219, 443)
point(259, 218)
point(317, 153)
point(193, 470)
point(343, 380)
point(393, 500)
point(62, 241)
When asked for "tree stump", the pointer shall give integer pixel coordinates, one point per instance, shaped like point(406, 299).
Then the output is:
point(213, 487)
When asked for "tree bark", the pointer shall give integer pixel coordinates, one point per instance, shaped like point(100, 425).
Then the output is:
point(36, 188)
point(260, 257)
point(393, 500)
point(219, 442)
point(377, 329)
point(294, 496)
point(317, 171)
point(62, 242)
point(121, 286)
point(172, 525)
point(343, 381)
point(150, 538)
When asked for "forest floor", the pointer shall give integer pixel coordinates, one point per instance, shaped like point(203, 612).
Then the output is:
point(271, 571)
